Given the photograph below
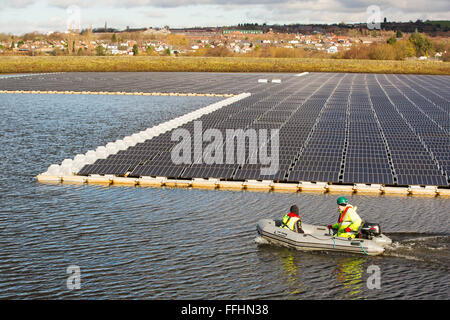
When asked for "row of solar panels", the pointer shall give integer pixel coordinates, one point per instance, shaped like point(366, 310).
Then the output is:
point(337, 128)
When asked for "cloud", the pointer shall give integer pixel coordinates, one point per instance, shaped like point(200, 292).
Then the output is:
point(127, 3)
point(155, 14)
point(342, 6)
point(335, 11)
point(22, 26)
point(321, 8)
point(221, 12)
point(16, 4)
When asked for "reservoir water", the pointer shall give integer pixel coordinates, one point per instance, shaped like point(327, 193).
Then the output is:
point(163, 243)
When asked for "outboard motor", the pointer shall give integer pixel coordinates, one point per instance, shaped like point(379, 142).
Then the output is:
point(370, 230)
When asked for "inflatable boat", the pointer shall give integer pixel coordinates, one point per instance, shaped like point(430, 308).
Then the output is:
point(369, 240)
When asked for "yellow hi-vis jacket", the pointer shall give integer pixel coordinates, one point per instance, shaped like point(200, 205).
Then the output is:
point(348, 218)
point(290, 220)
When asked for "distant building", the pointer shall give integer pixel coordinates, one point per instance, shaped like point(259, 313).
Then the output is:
point(116, 51)
point(239, 31)
point(332, 49)
point(152, 31)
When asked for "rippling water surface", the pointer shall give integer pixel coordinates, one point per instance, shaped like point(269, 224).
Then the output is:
point(162, 243)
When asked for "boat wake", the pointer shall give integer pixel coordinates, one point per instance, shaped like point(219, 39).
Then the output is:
point(428, 248)
point(261, 240)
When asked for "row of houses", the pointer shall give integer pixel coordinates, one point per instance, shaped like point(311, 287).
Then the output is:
point(235, 40)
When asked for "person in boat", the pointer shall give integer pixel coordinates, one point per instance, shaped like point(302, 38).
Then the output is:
point(348, 221)
point(292, 220)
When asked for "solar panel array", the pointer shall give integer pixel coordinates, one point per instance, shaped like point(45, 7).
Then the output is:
point(338, 128)
point(333, 127)
point(179, 82)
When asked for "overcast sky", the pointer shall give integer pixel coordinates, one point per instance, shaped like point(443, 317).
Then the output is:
point(21, 16)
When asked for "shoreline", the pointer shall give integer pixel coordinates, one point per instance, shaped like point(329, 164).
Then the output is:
point(41, 64)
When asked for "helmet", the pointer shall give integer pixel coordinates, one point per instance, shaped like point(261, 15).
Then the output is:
point(342, 200)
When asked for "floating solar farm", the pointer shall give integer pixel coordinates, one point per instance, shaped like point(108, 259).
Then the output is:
point(341, 129)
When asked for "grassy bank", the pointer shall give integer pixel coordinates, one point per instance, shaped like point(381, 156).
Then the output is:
point(25, 64)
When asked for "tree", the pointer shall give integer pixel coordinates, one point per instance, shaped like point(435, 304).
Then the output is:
point(382, 52)
point(422, 44)
point(218, 52)
point(149, 50)
point(392, 40)
point(399, 34)
point(135, 50)
point(176, 40)
point(446, 57)
point(114, 38)
point(100, 50)
point(403, 49)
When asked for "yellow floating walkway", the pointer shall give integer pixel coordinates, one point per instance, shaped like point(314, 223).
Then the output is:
point(249, 185)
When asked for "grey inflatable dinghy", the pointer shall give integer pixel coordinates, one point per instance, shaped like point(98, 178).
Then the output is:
point(370, 240)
